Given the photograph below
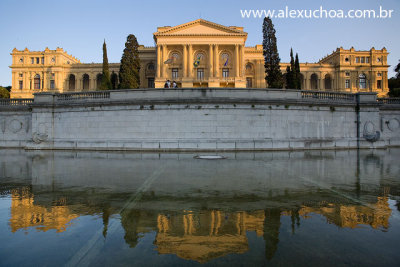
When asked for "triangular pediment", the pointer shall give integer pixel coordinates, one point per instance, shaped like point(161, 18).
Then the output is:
point(199, 27)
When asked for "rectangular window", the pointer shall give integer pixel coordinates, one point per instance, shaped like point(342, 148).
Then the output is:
point(174, 74)
point(150, 82)
point(362, 59)
point(37, 60)
point(357, 60)
point(42, 60)
point(36, 84)
point(21, 84)
point(52, 84)
point(200, 74)
point(379, 74)
point(347, 74)
point(21, 75)
point(225, 73)
point(379, 84)
point(347, 85)
point(32, 60)
point(367, 60)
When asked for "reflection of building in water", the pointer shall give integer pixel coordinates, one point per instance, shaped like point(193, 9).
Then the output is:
point(199, 236)
point(376, 215)
point(24, 213)
point(206, 235)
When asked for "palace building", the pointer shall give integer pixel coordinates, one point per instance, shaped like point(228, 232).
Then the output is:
point(198, 54)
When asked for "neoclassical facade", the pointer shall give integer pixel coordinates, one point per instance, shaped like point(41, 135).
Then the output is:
point(198, 54)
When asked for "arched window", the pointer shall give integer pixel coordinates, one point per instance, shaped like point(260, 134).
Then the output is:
point(199, 58)
point(36, 81)
point(314, 82)
point(362, 81)
point(328, 82)
point(249, 69)
point(71, 82)
point(85, 80)
point(225, 59)
point(150, 66)
point(99, 77)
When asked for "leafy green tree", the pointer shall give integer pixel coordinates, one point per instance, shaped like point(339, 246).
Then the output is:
point(273, 72)
point(130, 64)
point(4, 93)
point(394, 87)
point(105, 78)
point(397, 70)
point(394, 83)
point(297, 74)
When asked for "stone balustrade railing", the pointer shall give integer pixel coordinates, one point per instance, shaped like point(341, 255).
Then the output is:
point(394, 100)
point(329, 95)
point(16, 101)
point(160, 94)
point(83, 96)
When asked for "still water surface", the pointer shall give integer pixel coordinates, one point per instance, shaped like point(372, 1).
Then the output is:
point(310, 208)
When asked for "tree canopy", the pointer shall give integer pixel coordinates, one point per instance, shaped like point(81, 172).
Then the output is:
point(130, 64)
point(4, 93)
point(105, 78)
point(273, 77)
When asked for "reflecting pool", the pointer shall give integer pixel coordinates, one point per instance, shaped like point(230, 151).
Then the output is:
point(303, 208)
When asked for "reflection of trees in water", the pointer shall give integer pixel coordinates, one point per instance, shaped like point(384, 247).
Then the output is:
point(130, 222)
point(295, 219)
point(106, 213)
point(272, 223)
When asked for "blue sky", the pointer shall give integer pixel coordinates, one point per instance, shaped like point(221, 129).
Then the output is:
point(81, 26)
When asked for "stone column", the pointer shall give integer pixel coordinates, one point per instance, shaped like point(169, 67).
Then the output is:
point(164, 53)
point(385, 83)
point(158, 61)
point(307, 81)
point(190, 74)
point(216, 57)
point(77, 83)
point(242, 68)
point(210, 59)
point(43, 82)
point(93, 83)
point(372, 80)
point(321, 83)
point(25, 81)
point(236, 60)
point(184, 67)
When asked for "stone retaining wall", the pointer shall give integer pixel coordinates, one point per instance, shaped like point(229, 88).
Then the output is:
point(201, 119)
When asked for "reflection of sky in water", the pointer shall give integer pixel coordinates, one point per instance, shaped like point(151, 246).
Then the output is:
point(297, 208)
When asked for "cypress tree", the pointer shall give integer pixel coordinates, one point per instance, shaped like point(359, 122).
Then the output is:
point(130, 64)
point(297, 74)
point(273, 72)
point(290, 73)
point(105, 79)
point(289, 78)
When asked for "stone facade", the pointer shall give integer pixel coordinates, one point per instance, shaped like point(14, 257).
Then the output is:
point(198, 54)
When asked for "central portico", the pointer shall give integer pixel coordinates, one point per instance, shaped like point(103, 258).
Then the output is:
point(201, 54)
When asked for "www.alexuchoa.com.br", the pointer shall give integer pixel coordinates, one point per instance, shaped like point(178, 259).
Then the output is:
point(320, 13)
